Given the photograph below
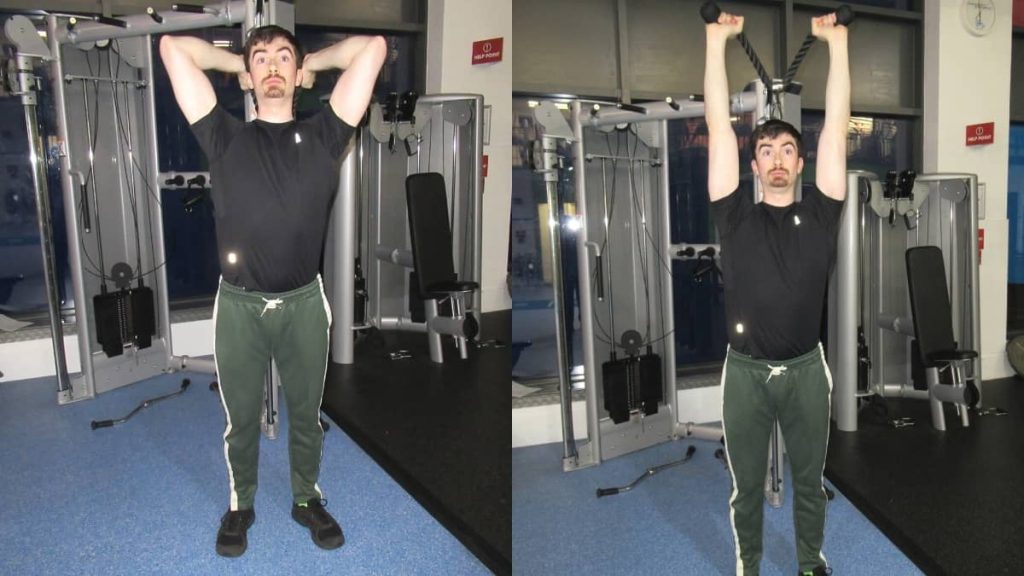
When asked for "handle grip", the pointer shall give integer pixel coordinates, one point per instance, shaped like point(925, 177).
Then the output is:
point(86, 210)
point(190, 8)
point(599, 262)
point(101, 424)
point(607, 492)
point(111, 21)
point(844, 15)
point(710, 12)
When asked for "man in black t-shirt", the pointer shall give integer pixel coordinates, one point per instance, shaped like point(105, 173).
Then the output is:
point(273, 182)
point(776, 257)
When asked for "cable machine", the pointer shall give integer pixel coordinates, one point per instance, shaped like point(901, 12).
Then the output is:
point(623, 248)
point(870, 318)
point(101, 74)
point(407, 134)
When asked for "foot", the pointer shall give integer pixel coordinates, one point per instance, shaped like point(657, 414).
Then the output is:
point(231, 539)
point(818, 571)
point(325, 531)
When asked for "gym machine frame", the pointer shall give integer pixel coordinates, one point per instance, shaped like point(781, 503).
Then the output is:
point(371, 210)
point(871, 294)
point(770, 98)
point(101, 373)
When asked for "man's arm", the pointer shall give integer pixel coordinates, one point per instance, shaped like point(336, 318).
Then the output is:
point(831, 163)
point(360, 58)
point(723, 152)
point(186, 60)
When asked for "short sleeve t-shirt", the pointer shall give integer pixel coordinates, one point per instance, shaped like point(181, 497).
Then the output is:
point(272, 187)
point(775, 267)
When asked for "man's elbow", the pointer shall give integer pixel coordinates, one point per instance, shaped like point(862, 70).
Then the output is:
point(168, 44)
point(378, 48)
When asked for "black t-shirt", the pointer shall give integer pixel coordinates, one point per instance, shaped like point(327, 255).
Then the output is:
point(775, 267)
point(273, 185)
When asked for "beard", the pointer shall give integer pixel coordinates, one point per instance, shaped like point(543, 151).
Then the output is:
point(274, 90)
point(778, 178)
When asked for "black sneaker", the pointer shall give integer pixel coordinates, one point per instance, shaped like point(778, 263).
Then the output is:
point(231, 540)
point(323, 528)
point(818, 571)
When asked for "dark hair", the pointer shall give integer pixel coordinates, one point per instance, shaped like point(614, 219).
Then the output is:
point(266, 35)
point(773, 129)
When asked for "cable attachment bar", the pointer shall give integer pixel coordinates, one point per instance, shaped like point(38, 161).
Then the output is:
point(647, 474)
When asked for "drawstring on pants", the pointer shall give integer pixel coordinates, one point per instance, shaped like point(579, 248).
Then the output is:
point(775, 371)
point(271, 305)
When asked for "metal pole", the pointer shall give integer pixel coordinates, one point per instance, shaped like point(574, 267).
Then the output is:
point(345, 239)
point(847, 296)
point(477, 194)
point(550, 145)
point(159, 253)
point(668, 325)
point(26, 83)
point(586, 309)
point(220, 14)
point(82, 320)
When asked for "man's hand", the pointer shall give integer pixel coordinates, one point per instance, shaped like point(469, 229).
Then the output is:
point(728, 25)
point(244, 81)
point(825, 28)
point(308, 74)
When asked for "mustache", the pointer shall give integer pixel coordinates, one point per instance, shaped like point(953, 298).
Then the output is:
point(272, 77)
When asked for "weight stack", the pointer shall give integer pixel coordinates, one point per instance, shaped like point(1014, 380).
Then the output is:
point(125, 317)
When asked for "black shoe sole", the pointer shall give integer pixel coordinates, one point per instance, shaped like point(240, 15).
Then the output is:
point(231, 552)
point(312, 533)
point(228, 551)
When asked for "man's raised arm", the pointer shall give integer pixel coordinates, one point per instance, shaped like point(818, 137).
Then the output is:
point(723, 152)
point(830, 174)
point(186, 60)
point(360, 58)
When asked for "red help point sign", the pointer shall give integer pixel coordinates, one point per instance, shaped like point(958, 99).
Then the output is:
point(487, 51)
point(981, 133)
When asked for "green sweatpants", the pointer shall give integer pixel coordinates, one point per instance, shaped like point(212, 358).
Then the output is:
point(756, 393)
point(293, 328)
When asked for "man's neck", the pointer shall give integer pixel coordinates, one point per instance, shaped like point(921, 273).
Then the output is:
point(275, 111)
point(780, 197)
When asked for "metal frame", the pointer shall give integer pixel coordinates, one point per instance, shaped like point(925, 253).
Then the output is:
point(436, 142)
point(100, 373)
point(870, 286)
point(606, 439)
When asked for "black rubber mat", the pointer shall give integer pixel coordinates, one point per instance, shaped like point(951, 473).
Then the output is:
point(441, 431)
point(951, 501)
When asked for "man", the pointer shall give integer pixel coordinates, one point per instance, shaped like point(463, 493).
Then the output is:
point(273, 182)
point(776, 257)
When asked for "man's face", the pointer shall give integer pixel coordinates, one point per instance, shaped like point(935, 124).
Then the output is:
point(776, 161)
point(273, 70)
